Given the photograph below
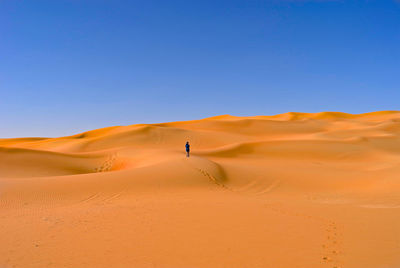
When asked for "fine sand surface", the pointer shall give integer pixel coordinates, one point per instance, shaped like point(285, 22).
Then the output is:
point(291, 190)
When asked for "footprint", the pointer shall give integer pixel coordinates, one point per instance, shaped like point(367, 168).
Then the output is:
point(107, 165)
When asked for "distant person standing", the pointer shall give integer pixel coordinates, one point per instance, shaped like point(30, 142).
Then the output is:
point(187, 149)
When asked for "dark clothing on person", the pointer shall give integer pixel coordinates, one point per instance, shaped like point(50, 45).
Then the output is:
point(187, 149)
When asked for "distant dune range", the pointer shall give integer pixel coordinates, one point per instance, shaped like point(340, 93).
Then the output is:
point(290, 190)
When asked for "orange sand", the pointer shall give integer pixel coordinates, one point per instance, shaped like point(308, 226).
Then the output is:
point(291, 190)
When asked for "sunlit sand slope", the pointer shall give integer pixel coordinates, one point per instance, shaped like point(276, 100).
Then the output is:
point(290, 190)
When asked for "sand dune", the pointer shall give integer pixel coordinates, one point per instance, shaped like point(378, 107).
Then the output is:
point(290, 190)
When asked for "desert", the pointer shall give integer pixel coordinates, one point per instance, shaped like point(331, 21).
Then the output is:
point(290, 190)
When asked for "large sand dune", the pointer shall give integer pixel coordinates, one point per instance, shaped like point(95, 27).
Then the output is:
point(291, 190)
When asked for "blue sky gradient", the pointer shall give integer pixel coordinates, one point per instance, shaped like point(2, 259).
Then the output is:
point(71, 66)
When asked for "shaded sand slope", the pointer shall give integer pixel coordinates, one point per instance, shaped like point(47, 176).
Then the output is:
point(291, 190)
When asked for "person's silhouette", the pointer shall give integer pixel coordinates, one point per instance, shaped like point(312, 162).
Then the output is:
point(187, 149)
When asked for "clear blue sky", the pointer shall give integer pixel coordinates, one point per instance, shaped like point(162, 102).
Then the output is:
point(76, 65)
